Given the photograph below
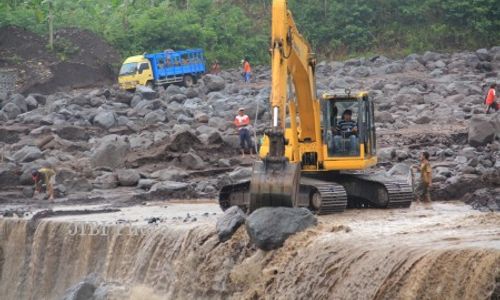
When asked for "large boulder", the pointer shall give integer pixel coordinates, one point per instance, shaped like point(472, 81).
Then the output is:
point(169, 189)
point(72, 133)
point(128, 177)
point(110, 152)
point(146, 92)
point(384, 117)
point(105, 119)
point(170, 174)
point(192, 161)
point(11, 110)
point(214, 82)
point(227, 225)
point(269, 227)
point(105, 181)
point(9, 175)
point(31, 103)
point(27, 154)
point(481, 131)
point(20, 102)
point(154, 117)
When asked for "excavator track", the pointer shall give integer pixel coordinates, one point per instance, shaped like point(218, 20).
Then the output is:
point(400, 194)
point(377, 191)
point(323, 197)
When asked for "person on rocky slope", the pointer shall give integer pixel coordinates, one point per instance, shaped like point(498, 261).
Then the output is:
point(242, 122)
point(48, 176)
point(423, 188)
point(491, 97)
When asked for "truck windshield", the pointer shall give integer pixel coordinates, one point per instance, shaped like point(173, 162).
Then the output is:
point(128, 69)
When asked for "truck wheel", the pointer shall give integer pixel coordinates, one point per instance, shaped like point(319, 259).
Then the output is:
point(188, 81)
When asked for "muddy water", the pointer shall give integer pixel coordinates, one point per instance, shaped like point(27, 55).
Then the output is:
point(445, 251)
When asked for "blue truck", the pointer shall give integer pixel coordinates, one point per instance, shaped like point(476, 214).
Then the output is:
point(163, 68)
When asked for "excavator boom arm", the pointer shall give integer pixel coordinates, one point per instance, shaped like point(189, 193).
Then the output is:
point(293, 62)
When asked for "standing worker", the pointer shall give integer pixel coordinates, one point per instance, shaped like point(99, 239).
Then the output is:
point(242, 122)
point(423, 188)
point(247, 70)
point(49, 178)
point(491, 97)
point(215, 68)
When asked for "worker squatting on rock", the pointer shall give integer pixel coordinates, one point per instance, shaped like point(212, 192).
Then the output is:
point(242, 122)
point(49, 177)
point(425, 183)
point(491, 98)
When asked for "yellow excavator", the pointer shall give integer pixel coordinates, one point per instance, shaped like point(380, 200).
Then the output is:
point(316, 151)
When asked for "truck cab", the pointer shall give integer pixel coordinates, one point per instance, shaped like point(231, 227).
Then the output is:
point(136, 70)
point(162, 68)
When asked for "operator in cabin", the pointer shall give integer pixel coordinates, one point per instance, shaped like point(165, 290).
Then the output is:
point(346, 130)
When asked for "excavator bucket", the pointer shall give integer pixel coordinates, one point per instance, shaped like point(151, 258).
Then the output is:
point(275, 182)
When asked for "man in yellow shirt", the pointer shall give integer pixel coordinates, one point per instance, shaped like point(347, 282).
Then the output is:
point(425, 178)
point(49, 178)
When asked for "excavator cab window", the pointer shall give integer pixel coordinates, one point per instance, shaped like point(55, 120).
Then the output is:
point(343, 120)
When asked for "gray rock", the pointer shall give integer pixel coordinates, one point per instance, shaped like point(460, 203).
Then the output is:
point(124, 97)
point(11, 110)
point(224, 163)
point(105, 119)
point(146, 184)
point(386, 154)
point(361, 71)
point(481, 131)
point(423, 120)
point(483, 55)
point(229, 222)
point(169, 188)
point(27, 154)
point(128, 177)
point(81, 291)
point(384, 117)
point(106, 181)
point(19, 101)
point(170, 174)
point(41, 99)
point(179, 98)
point(31, 103)
point(3, 116)
point(9, 175)
point(201, 117)
point(393, 68)
point(240, 174)
point(154, 117)
point(399, 169)
point(72, 133)
point(269, 227)
point(146, 92)
point(110, 152)
point(214, 82)
point(192, 161)
point(135, 100)
point(173, 90)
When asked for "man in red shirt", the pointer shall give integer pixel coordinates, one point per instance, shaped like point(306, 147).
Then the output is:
point(490, 100)
point(242, 122)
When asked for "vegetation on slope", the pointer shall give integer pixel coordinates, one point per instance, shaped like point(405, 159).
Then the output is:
point(231, 29)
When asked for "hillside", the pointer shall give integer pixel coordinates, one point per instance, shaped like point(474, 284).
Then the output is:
point(231, 29)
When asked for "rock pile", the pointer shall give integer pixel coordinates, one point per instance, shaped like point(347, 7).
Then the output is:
point(180, 142)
